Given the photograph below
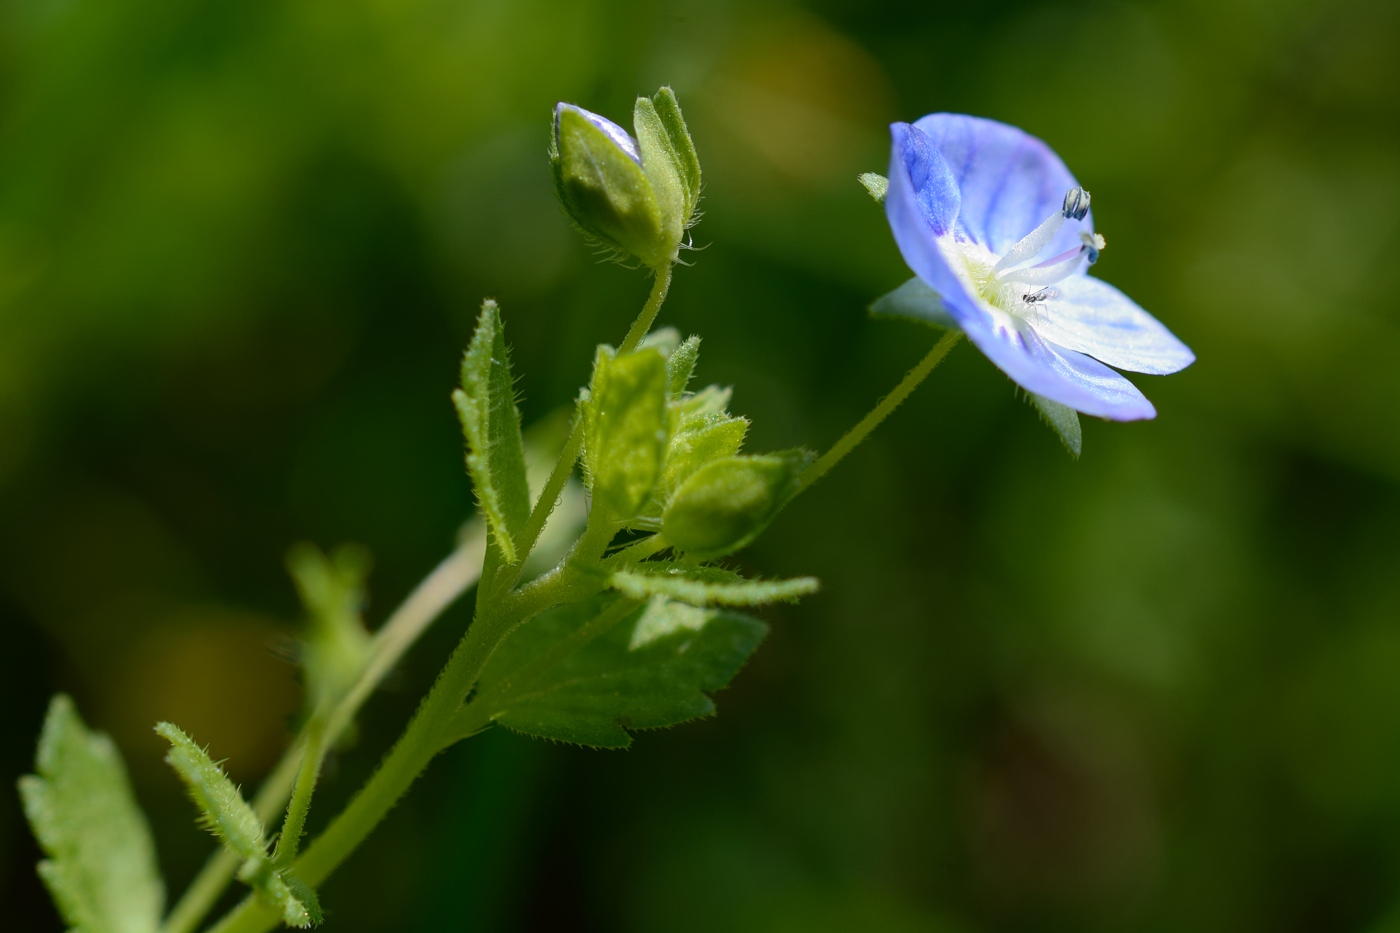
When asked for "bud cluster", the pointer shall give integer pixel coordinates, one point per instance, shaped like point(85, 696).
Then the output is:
point(660, 458)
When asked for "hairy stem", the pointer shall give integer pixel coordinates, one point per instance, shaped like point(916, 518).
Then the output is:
point(852, 438)
point(449, 580)
point(644, 320)
point(441, 718)
point(295, 823)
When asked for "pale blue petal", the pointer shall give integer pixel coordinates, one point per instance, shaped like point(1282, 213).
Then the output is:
point(617, 134)
point(916, 213)
point(1009, 180)
point(1061, 375)
point(1093, 317)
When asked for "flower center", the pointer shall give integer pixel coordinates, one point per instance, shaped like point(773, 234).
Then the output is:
point(1015, 282)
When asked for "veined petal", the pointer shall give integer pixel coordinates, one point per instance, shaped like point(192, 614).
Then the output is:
point(1061, 375)
point(1093, 317)
point(922, 206)
point(1009, 180)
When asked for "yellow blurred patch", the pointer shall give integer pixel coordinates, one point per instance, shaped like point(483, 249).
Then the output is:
point(215, 673)
point(807, 100)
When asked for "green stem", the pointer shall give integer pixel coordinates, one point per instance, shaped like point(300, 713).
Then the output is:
point(648, 316)
point(438, 722)
point(449, 580)
point(427, 734)
point(295, 823)
point(852, 438)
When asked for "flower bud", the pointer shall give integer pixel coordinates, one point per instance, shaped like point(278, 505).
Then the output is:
point(633, 196)
point(727, 503)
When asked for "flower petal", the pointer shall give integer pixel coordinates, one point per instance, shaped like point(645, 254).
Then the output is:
point(1009, 180)
point(922, 205)
point(1061, 375)
point(617, 134)
point(1093, 317)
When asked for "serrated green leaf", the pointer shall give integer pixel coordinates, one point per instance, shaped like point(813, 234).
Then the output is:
point(495, 453)
point(643, 667)
point(680, 366)
point(915, 301)
point(1063, 420)
point(707, 586)
point(225, 813)
point(875, 183)
point(332, 591)
point(668, 109)
point(625, 431)
point(101, 866)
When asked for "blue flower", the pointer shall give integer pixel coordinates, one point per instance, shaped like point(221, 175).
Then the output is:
point(990, 219)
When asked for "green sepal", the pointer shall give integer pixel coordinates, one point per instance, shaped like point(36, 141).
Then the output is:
point(668, 109)
point(915, 301)
point(707, 586)
point(700, 440)
point(660, 162)
point(606, 193)
point(626, 428)
point(332, 591)
point(728, 502)
point(101, 866)
point(491, 422)
point(225, 813)
point(1063, 420)
point(622, 667)
point(876, 184)
point(680, 366)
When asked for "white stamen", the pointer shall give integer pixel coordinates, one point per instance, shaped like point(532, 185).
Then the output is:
point(1031, 244)
point(1050, 271)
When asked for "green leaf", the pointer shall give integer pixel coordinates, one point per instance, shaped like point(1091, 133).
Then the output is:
point(680, 366)
point(283, 890)
point(625, 430)
point(223, 810)
point(711, 400)
point(332, 591)
point(876, 184)
point(668, 109)
point(664, 340)
point(613, 666)
point(225, 813)
point(101, 866)
point(915, 301)
point(1063, 419)
point(707, 586)
point(495, 454)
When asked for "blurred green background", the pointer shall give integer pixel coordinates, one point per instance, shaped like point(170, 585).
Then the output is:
point(241, 245)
